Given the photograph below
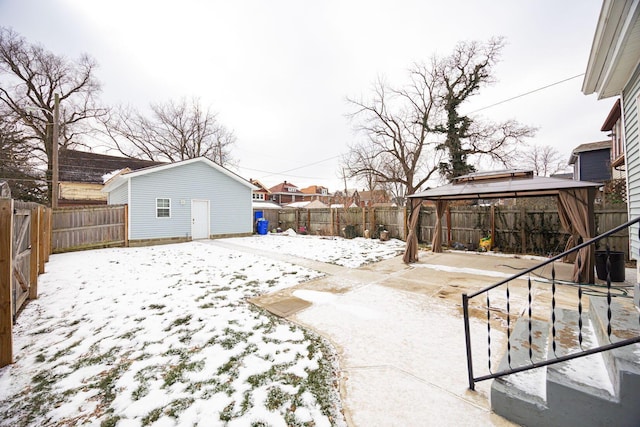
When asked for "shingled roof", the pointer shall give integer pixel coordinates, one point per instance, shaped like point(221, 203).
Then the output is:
point(82, 166)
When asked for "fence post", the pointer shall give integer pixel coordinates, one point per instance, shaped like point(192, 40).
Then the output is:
point(48, 235)
point(41, 239)
point(126, 226)
point(35, 253)
point(493, 226)
point(523, 231)
point(6, 272)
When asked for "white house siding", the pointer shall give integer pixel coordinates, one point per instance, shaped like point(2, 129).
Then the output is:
point(118, 196)
point(230, 202)
point(632, 141)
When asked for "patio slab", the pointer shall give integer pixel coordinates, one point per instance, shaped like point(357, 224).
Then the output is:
point(399, 333)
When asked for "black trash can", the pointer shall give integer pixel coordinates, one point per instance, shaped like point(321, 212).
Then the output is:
point(616, 259)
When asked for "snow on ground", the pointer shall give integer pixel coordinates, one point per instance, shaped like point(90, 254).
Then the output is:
point(334, 250)
point(164, 336)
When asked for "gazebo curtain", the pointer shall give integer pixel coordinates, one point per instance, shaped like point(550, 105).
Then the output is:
point(573, 208)
point(411, 251)
point(436, 241)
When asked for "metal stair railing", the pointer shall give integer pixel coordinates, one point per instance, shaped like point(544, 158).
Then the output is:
point(510, 321)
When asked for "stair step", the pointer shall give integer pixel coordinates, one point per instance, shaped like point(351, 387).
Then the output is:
point(521, 396)
point(587, 374)
point(625, 324)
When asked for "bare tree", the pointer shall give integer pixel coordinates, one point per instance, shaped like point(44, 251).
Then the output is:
point(16, 167)
point(396, 127)
point(414, 133)
point(29, 77)
point(543, 160)
point(174, 131)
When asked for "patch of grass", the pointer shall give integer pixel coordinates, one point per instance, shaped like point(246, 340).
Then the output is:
point(108, 379)
point(141, 391)
point(276, 397)
point(175, 372)
point(156, 306)
point(232, 337)
point(227, 413)
point(42, 331)
point(111, 421)
point(178, 406)
point(179, 321)
point(65, 351)
point(40, 358)
point(152, 417)
point(107, 358)
point(130, 334)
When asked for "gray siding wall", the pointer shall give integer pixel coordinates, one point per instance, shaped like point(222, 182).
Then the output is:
point(119, 196)
point(595, 166)
point(230, 202)
point(632, 141)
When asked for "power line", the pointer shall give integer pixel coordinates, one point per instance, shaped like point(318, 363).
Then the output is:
point(270, 173)
point(528, 93)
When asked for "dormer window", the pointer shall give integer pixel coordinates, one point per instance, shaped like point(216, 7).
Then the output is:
point(292, 189)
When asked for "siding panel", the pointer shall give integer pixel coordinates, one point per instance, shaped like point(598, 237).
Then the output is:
point(230, 202)
point(118, 196)
point(629, 99)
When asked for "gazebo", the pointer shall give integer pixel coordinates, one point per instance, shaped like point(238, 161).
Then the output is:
point(575, 207)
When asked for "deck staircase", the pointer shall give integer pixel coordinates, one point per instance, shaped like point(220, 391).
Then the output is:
point(602, 389)
point(562, 366)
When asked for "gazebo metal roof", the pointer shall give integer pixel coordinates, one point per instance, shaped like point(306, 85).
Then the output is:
point(501, 184)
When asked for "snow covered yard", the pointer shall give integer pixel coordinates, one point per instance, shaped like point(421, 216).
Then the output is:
point(351, 253)
point(164, 336)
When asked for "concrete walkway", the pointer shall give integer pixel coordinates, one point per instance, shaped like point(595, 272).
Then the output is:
point(399, 333)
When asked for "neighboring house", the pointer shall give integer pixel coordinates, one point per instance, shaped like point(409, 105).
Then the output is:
point(261, 193)
point(80, 175)
point(613, 125)
point(315, 204)
point(613, 70)
point(192, 199)
point(592, 162)
point(285, 193)
point(317, 192)
point(374, 197)
point(348, 197)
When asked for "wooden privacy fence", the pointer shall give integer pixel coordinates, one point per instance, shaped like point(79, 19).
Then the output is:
point(351, 222)
point(92, 227)
point(514, 229)
point(24, 248)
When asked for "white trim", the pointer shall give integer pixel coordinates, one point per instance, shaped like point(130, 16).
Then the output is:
point(129, 210)
point(117, 180)
point(611, 49)
point(163, 207)
point(208, 217)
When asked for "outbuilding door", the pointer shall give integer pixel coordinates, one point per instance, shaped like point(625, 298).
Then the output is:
point(199, 219)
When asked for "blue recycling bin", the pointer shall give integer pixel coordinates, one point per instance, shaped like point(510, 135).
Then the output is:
point(263, 226)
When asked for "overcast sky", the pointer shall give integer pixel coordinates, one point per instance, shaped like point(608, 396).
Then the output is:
point(278, 72)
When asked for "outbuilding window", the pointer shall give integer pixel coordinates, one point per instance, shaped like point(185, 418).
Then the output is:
point(163, 208)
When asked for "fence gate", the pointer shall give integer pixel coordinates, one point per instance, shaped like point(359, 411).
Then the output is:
point(21, 257)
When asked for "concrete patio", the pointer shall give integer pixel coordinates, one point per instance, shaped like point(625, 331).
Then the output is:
point(399, 332)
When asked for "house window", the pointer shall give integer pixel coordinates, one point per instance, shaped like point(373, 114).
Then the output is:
point(258, 196)
point(163, 208)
